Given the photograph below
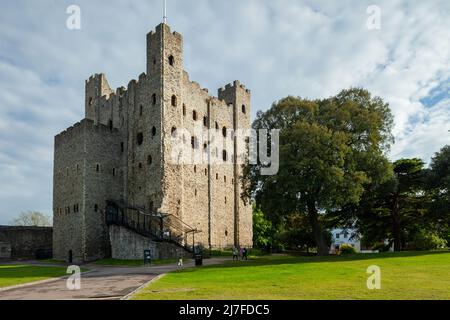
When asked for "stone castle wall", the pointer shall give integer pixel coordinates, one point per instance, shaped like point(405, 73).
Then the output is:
point(24, 242)
point(127, 245)
point(88, 171)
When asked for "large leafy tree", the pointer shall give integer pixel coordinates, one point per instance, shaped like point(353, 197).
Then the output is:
point(329, 150)
point(397, 208)
point(439, 190)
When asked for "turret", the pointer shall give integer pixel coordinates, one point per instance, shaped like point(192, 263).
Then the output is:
point(237, 95)
point(96, 87)
point(164, 50)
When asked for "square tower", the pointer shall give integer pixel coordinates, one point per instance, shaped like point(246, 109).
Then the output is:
point(122, 152)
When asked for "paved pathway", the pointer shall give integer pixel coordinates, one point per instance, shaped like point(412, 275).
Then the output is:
point(107, 283)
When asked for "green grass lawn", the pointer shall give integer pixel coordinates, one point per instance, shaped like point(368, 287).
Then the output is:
point(11, 275)
point(134, 263)
point(409, 275)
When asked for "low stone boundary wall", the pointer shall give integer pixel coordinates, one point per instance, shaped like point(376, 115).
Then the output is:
point(128, 245)
point(26, 242)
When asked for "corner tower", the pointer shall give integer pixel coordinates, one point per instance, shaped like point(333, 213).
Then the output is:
point(165, 65)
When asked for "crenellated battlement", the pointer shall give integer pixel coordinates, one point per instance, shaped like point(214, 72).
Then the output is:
point(233, 86)
point(79, 126)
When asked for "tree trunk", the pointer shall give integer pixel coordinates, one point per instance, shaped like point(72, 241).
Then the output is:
point(397, 235)
point(396, 226)
point(313, 216)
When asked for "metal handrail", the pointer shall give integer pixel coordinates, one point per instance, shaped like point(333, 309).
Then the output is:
point(136, 220)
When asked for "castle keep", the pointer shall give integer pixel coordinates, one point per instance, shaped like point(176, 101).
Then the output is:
point(117, 188)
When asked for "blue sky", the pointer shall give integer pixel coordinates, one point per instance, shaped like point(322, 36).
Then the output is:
point(276, 48)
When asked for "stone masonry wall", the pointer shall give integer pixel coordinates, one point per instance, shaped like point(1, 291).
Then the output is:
point(88, 171)
point(68, 193)
point(127, 245)
point(25, 241)
point(104, 176)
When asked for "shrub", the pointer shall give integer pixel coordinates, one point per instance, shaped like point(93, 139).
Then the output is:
point(347, 249)
point(424, 240)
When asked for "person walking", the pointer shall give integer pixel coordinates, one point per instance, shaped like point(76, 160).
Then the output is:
point(235, 254)
point(244, 254)
point(180, 260)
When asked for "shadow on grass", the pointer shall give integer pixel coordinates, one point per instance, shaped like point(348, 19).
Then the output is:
point(290, 259)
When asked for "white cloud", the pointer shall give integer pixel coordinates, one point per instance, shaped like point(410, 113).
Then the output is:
point(308, 48)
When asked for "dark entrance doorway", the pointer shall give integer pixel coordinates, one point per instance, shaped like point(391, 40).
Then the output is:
point(70, 256)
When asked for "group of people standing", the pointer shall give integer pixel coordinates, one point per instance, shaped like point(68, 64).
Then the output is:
point(243, 254)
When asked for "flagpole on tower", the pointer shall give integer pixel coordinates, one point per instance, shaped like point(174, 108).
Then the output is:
point(165, 12)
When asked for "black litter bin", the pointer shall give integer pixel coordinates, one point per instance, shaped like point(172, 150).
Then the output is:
point(198, 260)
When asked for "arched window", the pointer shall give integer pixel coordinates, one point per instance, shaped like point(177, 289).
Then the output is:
point(140, 165)
point(122, 147)
point(153, 131)
point(171, 60)
point(114, 172)
point(184, 110)
point(174, 101)
point(154, 99)
point(97, 168)
point(110, 125)
point(141, 110)
point(96, 207)
point(173, 132)
point(195, 169)
point(244, 109)
point(217, 126)
point(140, 138)
point(90, 101)
point(224, 132)
point(149, 160)
point(224, 155)
point(205, 121)
point(194, 115)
